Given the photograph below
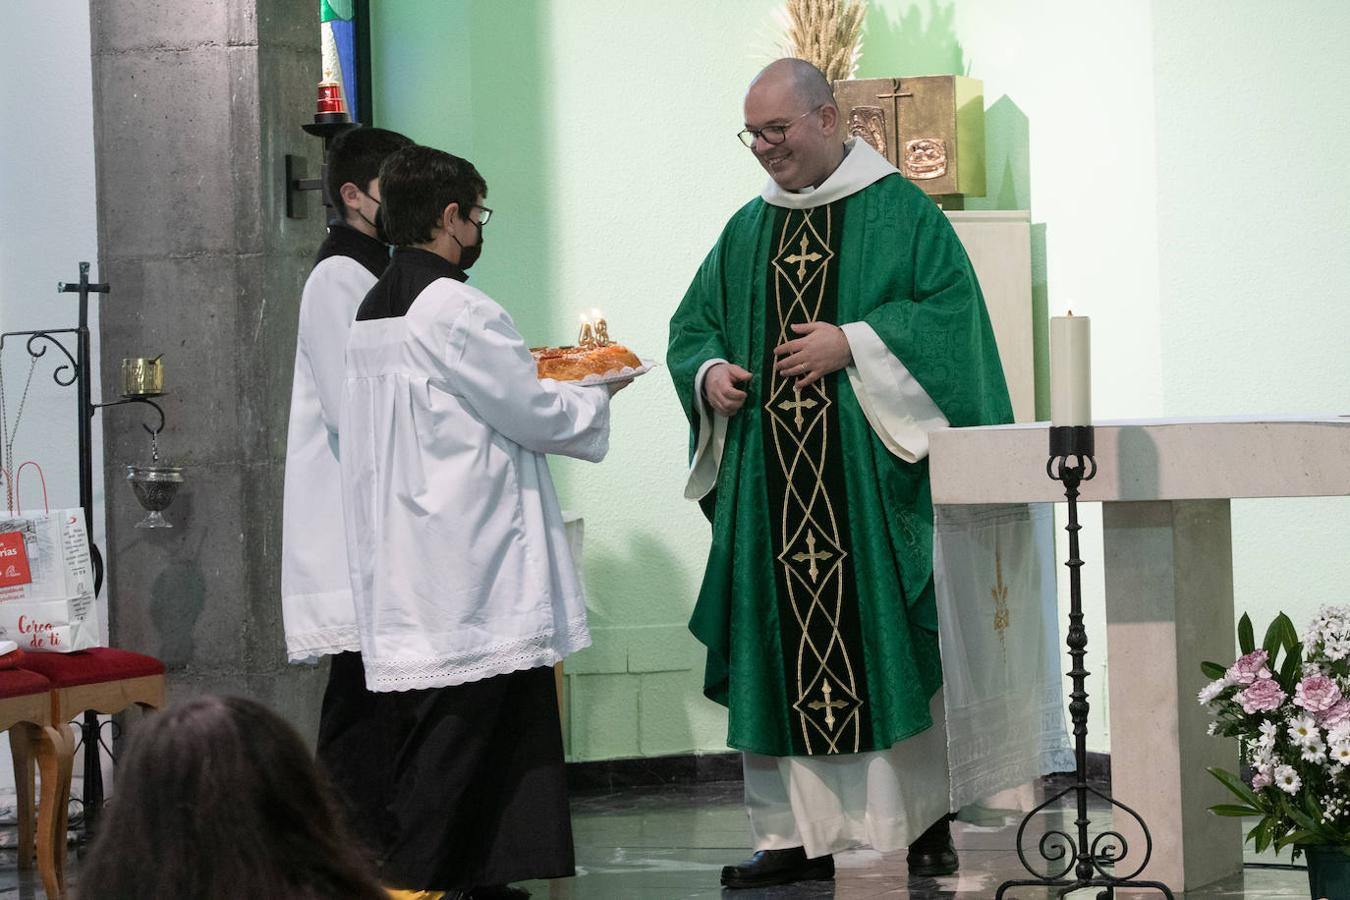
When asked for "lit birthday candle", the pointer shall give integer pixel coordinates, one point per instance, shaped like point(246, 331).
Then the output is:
point(601, 328)
point(587, 336)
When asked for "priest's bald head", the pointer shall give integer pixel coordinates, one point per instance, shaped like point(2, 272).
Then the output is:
point(790, 124)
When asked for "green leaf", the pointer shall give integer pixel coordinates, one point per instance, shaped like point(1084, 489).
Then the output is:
point(1237, 786)
point(1288, 631)
point(1235, 810)
point(1294, 837)
point(1301, 819)
point(1274, 636)
point(1246, 639)
point(1263, 836)
point(1292, 668)
point(1311, 805)
point(1213, 671)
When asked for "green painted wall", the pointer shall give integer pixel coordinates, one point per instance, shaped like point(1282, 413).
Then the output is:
point(1180, 161)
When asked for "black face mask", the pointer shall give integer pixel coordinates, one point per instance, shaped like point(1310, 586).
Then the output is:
point(468, 255)
point(378, 223)
point(380, 234)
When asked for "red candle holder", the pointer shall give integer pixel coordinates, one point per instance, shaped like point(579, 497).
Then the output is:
point(330, 97)
point(330, 108)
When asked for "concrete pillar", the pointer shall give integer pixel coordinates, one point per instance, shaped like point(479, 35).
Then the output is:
point(195, 106)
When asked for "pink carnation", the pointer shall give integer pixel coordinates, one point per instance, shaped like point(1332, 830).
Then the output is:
point(1263, 695)
point(1250, 668)
point(1261, 780)
point(1337, 715)
point(1317, 694)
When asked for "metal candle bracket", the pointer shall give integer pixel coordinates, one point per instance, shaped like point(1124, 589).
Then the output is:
point(1081, 862)
point(329, 121)
point(76, 371)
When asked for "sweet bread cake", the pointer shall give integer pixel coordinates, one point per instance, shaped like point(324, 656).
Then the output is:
point(575, 363)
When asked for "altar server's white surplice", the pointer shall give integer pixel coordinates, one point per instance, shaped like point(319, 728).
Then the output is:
point(460, 566)
point(316, 594)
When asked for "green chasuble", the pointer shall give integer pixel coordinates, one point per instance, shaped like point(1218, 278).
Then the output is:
point(817, 605)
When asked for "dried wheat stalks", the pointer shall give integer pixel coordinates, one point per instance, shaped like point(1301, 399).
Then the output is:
point(825, 33)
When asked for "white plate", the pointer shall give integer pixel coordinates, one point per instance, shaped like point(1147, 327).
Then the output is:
point(624, 374)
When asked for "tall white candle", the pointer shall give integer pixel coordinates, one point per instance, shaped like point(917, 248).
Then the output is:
point(1070, 370)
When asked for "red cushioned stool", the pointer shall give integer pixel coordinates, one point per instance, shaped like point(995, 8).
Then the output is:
point(26, 713)
point(101, 679)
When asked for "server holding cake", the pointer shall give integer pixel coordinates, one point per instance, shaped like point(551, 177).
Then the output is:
point(465, 591)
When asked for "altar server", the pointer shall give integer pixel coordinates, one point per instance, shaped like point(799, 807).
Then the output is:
point(465, 591)
point(316, 595)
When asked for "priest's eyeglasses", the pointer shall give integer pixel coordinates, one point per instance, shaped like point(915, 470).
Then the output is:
point(479, 215)
point(771, 134)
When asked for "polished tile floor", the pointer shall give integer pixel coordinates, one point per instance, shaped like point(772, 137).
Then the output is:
point(671, 842)
point(668, 843)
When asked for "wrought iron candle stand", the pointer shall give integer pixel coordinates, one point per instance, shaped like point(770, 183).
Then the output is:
point(75, 371)
point(1081, 862)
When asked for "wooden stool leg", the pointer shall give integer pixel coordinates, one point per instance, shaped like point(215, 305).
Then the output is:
point(55, 756)
point(22, 741)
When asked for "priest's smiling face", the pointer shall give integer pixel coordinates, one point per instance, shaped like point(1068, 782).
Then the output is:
point(809, 151)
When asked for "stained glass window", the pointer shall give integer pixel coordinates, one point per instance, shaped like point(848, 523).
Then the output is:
point(344, 42)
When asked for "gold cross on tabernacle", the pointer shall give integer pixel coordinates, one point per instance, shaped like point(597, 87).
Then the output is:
point(812, 555)
point(796, 407)
point(829, 706)
point(803, 259)
point(896, 93)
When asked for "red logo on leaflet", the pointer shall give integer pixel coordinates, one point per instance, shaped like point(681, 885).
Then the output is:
point(13, 560)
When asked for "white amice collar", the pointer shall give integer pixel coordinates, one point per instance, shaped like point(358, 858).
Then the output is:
point(862, 167)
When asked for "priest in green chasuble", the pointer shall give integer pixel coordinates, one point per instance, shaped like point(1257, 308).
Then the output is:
point(836, 321)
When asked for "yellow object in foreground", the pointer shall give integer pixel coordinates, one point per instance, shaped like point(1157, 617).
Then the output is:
point(398, 894)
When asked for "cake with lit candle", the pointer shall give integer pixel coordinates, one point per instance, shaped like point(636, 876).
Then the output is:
point(575, 363)
point(593, 354)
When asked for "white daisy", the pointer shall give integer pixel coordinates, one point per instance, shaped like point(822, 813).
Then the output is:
point(1316, 755)
point(1304, 731)
point(1287, 780)
point(1212, 690)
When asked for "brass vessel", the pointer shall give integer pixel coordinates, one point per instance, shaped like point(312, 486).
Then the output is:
point(142, 377)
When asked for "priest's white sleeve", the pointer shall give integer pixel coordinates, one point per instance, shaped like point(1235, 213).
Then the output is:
point(895, 404)
point(711, 438)
point(492, 369)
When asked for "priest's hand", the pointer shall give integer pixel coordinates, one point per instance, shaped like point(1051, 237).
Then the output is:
point(820, 350)
point(719, 386)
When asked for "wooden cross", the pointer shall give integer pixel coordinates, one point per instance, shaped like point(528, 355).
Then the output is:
point(803, 259)
point(812, 555)
point(829, 706)
point(796, 406)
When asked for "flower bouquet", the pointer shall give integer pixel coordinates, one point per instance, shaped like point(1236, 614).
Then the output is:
point(1288, 703)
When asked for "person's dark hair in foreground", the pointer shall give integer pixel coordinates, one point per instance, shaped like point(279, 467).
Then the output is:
point(216, 799)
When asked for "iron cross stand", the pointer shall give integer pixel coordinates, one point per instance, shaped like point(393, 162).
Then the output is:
point(1082, 861)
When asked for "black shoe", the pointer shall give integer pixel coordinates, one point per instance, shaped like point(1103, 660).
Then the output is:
point(932, 853)
point(769, 867)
